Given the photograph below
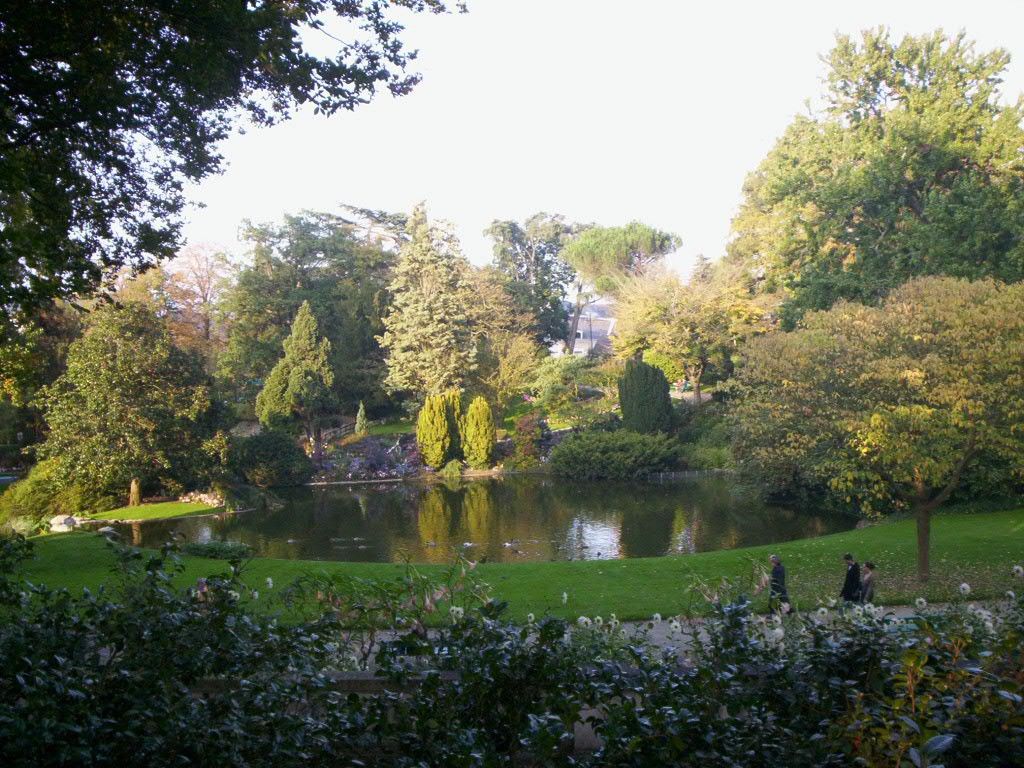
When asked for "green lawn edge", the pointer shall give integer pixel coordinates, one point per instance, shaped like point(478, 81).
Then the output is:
point(159, 511)
point(979, 549)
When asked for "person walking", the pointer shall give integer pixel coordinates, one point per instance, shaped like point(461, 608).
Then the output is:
point(851, 585)
point(867, 583)
point(777, 595)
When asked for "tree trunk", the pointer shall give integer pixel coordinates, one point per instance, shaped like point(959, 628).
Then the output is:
point(135, 493)
point(695, 373)
point(574, 324)
point(924, 534)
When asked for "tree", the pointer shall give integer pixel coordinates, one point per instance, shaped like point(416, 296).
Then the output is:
point(912, 167)
point(527, 255)
point(299, 386)
point(312, 257)
point(433, 431)
point(890, 407)
point(427, 333)
point(362, 425)
point(107, 109)
point(130, 409)
point(479, 441)
point(456, 423)
point(602, 256)
point(644, 399)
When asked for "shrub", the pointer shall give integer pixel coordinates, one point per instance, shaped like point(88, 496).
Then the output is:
point(526, 441)
point(269, 459)
point(480, 436)
point(705, 437)
point(45, 493)
point(644, 399)
point(456, 422)
point(362, 425)
point(617, 455)
point(433, 436)
point(452, 470)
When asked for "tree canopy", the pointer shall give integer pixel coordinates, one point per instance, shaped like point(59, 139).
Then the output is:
point(912, 167)
point(107, 109)
point(891, 407)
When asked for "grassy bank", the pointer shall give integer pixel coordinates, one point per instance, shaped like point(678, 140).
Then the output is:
point(978, 548)
point(155, 511)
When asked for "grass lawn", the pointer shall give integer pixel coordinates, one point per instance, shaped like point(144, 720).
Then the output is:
point(977, 548)
point(154, 511)
point(393, 428)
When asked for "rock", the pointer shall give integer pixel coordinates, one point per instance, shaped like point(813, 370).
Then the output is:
point(63, 523)
point(106, 530)
point(863, 523)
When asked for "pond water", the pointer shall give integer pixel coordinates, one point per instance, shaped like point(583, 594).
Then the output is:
point(512, 519)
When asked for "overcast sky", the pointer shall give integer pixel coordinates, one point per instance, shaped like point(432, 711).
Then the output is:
point(603, 111)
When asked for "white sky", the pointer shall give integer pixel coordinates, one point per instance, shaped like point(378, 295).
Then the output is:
point(603, 111)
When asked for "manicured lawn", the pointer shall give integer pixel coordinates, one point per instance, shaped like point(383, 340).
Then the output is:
point(392, 428)
point(977, 548)
point(154, 511)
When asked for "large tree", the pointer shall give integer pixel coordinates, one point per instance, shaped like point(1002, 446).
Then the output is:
point(912, 167)
point(131, 408)
point(428, 335)
point(298, 389)
point(528, 256)
point(107, 110)
point(603, 256)
point(891, 407)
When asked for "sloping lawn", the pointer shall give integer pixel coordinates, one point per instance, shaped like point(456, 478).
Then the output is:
point(977, 548)
point(154, 511)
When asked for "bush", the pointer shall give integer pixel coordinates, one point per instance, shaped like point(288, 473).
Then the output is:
point(705, 437)
point(269, 459)
point(526, 441)
point(433, 435)
point(618, 455)
point(480, 437)
point(644, 399)
point(43, 493)
point(456, 423)
point(452, 470)
point(362, 425)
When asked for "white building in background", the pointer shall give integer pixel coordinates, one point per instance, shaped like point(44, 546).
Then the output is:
point(593, 334)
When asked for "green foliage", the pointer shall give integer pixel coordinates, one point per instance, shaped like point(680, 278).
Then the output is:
point(560, 383)
point(913, 168)
point(889, 407)
point(269, 459)
point(480, 436)
point(456, 422)
point(362, 425)
point(644, 399)
point(602, 254)
point(526, 441)
point(706, 439)
point(452, 470)
point(618, 455)
point(105, 116)
point(427, 334)
point(43, 493)
point(674, 371)
point(433, 431)
point(130, 405)
point(218, 550)
point(299, 387)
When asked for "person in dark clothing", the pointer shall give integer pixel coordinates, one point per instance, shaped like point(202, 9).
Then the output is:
point(851, 586)
point(777, 595)
point(867, 583)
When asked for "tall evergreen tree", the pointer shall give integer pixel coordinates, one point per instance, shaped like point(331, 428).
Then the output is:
point(479, 439)
point(433, 431)
point(362, 425)
point(299, 387)
point(427, 331)
point(644, 399)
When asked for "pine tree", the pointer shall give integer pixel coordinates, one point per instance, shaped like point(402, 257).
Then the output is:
point(456, 423)
point(480, 437)
point(644, 399)
point(298, 389)
point(362, 425)
point(433, 434)
point(427, 331)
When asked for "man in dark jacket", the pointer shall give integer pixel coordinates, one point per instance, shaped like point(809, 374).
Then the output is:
point(777, 596)
point(851, 586)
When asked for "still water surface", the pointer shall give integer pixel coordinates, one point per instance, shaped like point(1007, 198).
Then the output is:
point(503, 520)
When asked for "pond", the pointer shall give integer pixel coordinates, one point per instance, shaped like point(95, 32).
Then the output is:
point(512, 519)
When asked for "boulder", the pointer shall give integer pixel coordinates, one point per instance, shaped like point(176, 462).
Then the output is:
point(63, 523)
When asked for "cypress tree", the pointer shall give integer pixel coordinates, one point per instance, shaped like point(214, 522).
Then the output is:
point(644, 399)
point(456, 422)
point(432, 431)
point(480, 437)
point(362, 425)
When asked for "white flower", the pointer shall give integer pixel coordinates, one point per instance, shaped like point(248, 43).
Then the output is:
point(583, 621)
point(613, 617)
point(598, 621)
point(777, 634)
point(858, 611)
point(965, 589)
point(613, 623)
point(270, 582)
point(1010, 595)
point(232, 594)
point(921, 603)
point(565, 598)
point(456, 613)
point(530, 619)
point(656, 618)
point(823, 612)
point(1018, 571)
point(675, 625)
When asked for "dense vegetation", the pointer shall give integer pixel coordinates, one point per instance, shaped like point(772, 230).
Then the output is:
point(616, 455)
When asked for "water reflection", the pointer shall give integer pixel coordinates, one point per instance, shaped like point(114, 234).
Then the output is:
point(506, 520)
